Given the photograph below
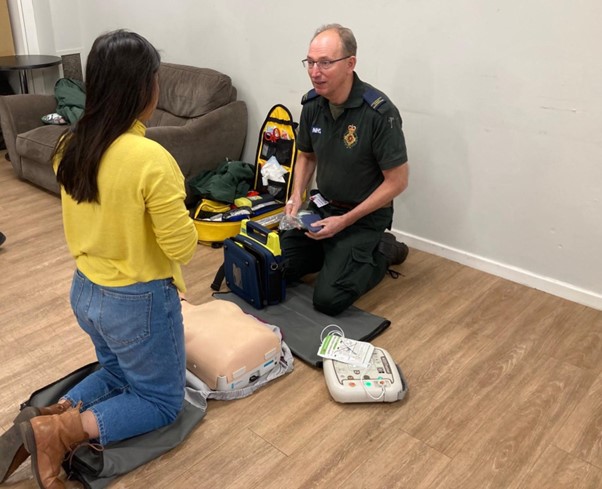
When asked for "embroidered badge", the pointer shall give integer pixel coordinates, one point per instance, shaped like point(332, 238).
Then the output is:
point(350, 137)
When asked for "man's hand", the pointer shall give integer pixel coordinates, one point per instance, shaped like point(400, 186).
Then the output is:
point(395, 181)
point(330, 226)
point(292, 206)
point(304, 169)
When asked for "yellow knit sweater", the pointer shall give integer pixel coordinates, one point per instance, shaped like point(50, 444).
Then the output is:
point(140, 230)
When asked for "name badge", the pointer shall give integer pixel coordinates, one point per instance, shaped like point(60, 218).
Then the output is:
point(318, 200)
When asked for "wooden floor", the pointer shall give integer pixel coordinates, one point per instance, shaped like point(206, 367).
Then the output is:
point(505, 381)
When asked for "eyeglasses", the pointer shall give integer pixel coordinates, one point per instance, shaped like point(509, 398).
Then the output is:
point(322, 65)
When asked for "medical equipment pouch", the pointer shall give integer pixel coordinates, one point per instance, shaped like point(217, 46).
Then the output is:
point(273, 179)
point(277, 146)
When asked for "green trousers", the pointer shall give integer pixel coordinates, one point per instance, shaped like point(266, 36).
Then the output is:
point(349, 263)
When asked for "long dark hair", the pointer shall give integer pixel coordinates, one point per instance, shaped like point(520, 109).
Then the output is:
point(120, 74)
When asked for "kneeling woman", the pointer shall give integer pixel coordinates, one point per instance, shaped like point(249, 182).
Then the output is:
point(128, 229)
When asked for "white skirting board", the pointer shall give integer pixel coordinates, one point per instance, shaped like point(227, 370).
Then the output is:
point(518, 275)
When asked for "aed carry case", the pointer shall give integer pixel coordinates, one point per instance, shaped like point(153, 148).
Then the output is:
point(253, 266)
point(269, 192)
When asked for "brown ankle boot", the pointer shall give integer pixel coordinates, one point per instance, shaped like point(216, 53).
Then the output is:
point(12, 451)
point(48, 439)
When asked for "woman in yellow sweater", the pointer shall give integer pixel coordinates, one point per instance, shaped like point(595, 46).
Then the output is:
point(128, 229)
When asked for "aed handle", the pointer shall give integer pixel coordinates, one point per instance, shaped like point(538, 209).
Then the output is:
point(256, 231)
point(263, 235)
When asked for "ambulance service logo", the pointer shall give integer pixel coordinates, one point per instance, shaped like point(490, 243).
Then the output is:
point(350, 137)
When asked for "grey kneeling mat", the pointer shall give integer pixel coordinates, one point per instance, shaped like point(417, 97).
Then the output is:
point(96, 470)
point(301, 325)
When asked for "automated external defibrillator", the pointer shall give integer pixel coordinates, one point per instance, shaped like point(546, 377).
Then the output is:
point(356, 371)
point(381, 381)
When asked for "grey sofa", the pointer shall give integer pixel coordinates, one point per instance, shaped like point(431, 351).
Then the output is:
point(198, 120)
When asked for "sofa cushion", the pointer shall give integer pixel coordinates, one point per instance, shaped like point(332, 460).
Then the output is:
point(38, 144)
point(186, 91)
point(163, 118)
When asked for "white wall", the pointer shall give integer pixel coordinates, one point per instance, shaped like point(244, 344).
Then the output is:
point(502, 108)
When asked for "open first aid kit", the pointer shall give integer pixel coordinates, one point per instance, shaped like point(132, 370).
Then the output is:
point(227, 348)
point(356, 371)
point(270, 189)
point(253, 266)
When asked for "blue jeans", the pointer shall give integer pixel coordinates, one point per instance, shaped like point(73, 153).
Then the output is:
point(138, 334)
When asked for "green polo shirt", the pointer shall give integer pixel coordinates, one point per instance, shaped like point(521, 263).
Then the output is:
point(352, 150)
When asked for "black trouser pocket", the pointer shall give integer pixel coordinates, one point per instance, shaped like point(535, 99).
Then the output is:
point(358, 271)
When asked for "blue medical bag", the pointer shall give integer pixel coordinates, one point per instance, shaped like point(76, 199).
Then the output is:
point(254, 266)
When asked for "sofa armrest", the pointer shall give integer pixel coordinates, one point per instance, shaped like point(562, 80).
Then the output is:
point(204, 142)
point(24, 112)
point(19, 114)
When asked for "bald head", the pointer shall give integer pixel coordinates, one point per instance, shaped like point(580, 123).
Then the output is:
point(348, 42)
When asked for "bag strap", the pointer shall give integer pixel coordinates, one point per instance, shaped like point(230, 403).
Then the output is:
point(221, 271)
point(219, 278)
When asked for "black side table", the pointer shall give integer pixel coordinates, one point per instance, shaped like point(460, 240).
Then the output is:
point(24, 62)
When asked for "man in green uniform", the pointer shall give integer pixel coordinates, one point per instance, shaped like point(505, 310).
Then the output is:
point(351, 135)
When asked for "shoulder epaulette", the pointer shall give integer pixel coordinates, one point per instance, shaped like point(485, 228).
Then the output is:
point(312, 94)
point(376, 100)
